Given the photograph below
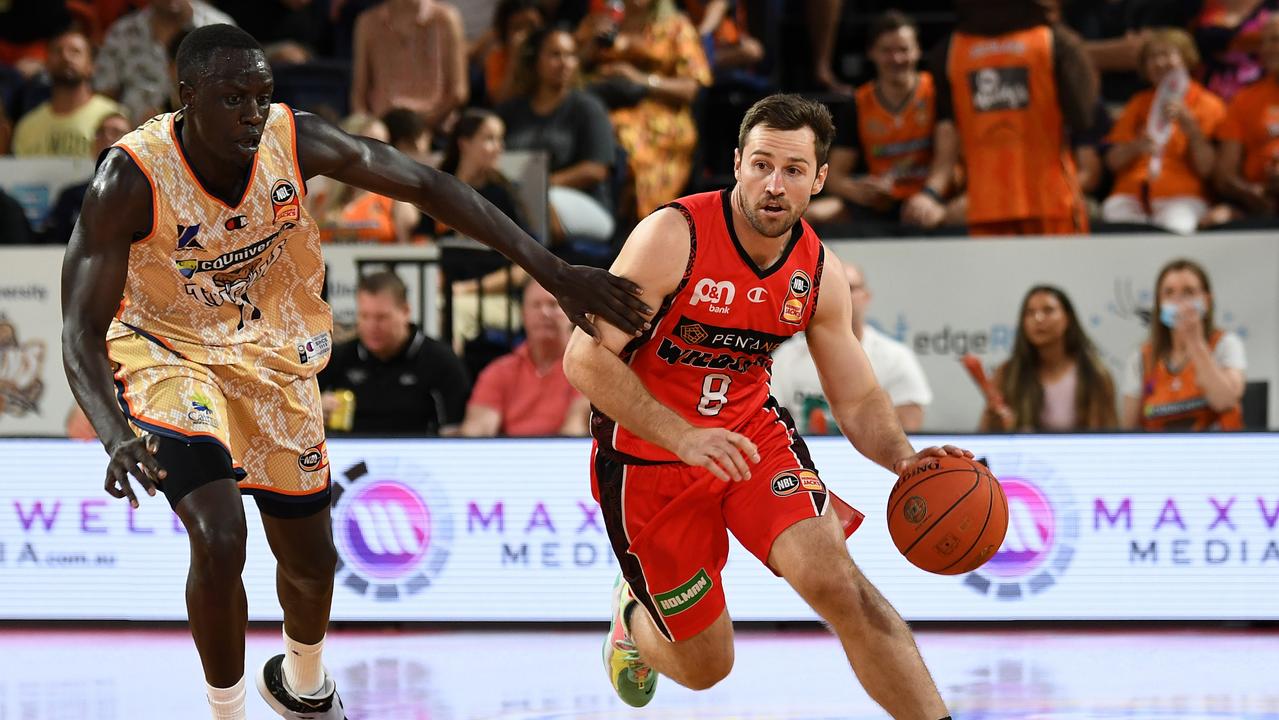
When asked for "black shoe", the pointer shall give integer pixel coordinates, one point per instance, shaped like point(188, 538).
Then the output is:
point(323, 705)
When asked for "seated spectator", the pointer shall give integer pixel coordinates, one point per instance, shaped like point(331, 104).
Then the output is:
point(1247, 171)
point(726, 37)
point(549, 113)
point(886, 131)
point(410, 54)
point(1054, 380)
point(14, 227)
point(648, 68)
point(404, 382)
point(796, 385)
point(65, 124)
point(1162, 180)
point(525, 393)
point(1228, 32)
point(348, 214)
point(132, 66)
point(1113, 32)
point(497, 52)
point(66, 209)
point(472, 154)
point(407, 132)
point(1189, 375)
point(1014, 142)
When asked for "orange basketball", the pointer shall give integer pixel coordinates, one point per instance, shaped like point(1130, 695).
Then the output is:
point(948, 515)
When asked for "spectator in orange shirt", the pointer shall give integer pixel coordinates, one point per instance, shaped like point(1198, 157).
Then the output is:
point(348, 214)
point(525, 392)
point(498, 51)
point(1247, 171)
point(1169, 190)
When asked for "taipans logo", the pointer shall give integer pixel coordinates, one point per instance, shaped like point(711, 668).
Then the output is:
point(719, 294)
point(201, 411)
point(284, 202)
point(186, 237)
point(391, 542)
point(1043, 527)
point(314, 458)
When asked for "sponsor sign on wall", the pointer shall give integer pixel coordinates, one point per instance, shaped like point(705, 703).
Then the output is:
point(1101, 527)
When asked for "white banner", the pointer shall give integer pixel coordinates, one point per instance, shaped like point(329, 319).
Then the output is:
point(947, 297)
point(34, 397)
point(1106, 527)
point(36, 181)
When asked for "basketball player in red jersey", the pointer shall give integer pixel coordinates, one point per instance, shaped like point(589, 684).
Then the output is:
point(690, 445)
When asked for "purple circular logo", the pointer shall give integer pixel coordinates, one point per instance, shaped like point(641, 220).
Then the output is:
point(387, 529)
point(1032, 530)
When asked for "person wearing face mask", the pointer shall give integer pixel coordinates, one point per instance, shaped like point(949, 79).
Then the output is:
point(1161, 148)
point(1054, 380)
point(1247, 171)
point(1189, 375)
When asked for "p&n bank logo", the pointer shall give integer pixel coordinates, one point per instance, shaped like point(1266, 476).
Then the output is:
point(1043, 529)
point(392, 541)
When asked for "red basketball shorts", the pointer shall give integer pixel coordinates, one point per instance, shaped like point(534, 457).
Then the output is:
point(669, 523)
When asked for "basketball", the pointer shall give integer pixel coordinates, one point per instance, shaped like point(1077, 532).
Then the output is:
point(948, 515)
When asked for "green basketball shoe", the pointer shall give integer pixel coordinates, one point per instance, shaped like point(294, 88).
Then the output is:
point(633, 680)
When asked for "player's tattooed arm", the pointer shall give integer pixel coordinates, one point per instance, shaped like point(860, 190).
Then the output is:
point(116, 212)
point(655, 257)
point(377, 167)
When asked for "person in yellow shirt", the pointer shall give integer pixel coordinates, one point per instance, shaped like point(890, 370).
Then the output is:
point(65, 124)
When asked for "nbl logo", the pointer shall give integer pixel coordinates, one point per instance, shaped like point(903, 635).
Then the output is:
point(391, 541)
point(1043, 527)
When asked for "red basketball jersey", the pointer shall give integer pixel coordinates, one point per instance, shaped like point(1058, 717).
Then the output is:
point(709, 353)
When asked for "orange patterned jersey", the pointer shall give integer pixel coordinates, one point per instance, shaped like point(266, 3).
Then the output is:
point(219, 284)
point(898, 144)
point(709, 355)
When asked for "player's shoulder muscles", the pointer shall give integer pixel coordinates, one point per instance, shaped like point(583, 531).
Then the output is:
point(657, 253)
point(119, 206)
point(323, 148)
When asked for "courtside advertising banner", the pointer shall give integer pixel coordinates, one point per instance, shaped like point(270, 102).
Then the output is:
point(1102, 527)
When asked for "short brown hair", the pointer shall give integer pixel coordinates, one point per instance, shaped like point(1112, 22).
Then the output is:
point(384, 281)
point(1179, 39)
point(886, 22)
point(791, 112)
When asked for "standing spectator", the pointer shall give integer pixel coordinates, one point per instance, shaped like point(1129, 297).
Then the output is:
point(1054, 380)
point(132, 66)
point(1189, 375)
point(66, 209)
point(648, 68)
point(1021, 179)
point(1229, 33)
point(1247, 171)
point(497, 52)
point(888, 129)
point(410, 54)
point(350, 214)
point(404, 382)
point(525, 393)
point(797, 387)
point(1163, 181)
point(551, 114)
point(65, 124)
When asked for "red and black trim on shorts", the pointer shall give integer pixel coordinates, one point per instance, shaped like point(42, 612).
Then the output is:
point(610, 478)
point(603, 426)
point(799, 449)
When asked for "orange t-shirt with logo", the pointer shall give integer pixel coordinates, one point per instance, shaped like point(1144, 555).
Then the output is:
point(1017, 155)
point(1174, 401)
point(898, 144)
point(370, 218)
point(1252, 119)
point(1177, 178)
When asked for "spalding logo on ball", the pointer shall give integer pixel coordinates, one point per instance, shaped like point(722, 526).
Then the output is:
point(948, 515)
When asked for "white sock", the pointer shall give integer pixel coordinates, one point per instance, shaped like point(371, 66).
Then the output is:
point(227, 703)
point(302, 667)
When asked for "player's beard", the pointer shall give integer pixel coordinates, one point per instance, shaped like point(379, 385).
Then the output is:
point(765, 225)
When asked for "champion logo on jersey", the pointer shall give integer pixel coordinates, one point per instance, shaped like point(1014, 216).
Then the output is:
point(757, 295)
point(719, 294)
point(186, 237)
point(238, 222)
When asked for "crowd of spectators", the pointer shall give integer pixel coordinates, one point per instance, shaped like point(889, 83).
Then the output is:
point(1154, 114)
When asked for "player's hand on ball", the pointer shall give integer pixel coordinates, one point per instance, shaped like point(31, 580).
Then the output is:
point(584, 291)
point(136, 457)
point(901, 466)
point(726, 454)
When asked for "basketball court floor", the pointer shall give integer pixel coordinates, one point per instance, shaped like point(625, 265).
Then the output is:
point(546, 674)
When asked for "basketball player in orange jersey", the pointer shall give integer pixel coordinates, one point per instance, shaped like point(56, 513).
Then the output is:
point(689, 445)
point(194, 327)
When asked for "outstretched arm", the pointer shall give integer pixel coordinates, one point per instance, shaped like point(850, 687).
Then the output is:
point(654, 257)
point(117, 211)
point(861, 407)
point(377, 167)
